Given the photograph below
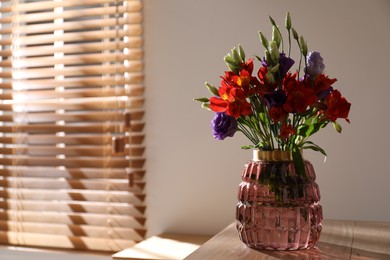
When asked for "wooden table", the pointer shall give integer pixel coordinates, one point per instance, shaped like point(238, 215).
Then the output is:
point(358, 240)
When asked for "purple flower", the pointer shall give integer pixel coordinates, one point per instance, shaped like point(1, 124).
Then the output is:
point(223, 126)
point(285, 64)
point(276, 98)
point(315, 65)
point(324, 93)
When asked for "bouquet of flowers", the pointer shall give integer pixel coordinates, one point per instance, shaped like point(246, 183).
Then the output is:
point(276, 109)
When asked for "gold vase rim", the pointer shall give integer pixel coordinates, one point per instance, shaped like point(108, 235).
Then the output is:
point(274, 155)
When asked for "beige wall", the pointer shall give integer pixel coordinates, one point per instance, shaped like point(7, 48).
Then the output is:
point(192, 179)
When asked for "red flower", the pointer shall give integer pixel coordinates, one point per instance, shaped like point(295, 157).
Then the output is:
point(232, 100)
point(277, 114)
point(262, 74)
point(322, 83)
point(228, 78)
point(264, 86)
point(290, 82)
point(299, 97)
point(338, 106)
point(286, 131)
point(248, 66)
point(242, 80)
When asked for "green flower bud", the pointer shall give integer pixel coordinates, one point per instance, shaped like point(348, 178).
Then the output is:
point(206, 106)
point(303, 46)
point(213, 90)
point(272, 21)
point(276, 35)
point(267, 57)
point(228, 58)
point(288, 21)
point(270, 77)
point(236, 56)
point(274, 52)
point(231, 63)
point(295, 34)
point(233, 68)
point(263, 40)
point(242, 53)
point(275, 68)
point(337, 126)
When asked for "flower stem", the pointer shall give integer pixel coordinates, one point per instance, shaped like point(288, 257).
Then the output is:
point(289, 43)
point(300, 61)
point(243, 129)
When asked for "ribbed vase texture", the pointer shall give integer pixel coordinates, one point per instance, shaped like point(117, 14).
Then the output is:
point(278, 209)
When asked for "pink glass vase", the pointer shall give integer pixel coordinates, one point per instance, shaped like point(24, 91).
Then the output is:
point(278, 209)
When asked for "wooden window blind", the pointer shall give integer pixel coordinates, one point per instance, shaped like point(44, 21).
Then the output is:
point(71, 124)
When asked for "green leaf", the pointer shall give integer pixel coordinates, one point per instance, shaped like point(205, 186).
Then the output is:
point(247, 147)
point(260, 145)
point(308, 130)
point(203, 100)
point(213, 90)
point(263, 117)
point(314, 147)
point(299, 164)
point(307, 113)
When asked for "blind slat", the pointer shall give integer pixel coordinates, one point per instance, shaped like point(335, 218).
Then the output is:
point(133, 66)
point(73, 230)
point(66, 242)
point(84, 47)
point(43, 5)
point(75, 206)
point(68, 14)
point(134, 91)
point(90, 128)
point(62, 195)
point(74, 104)
point(69, 151)
point(73, 162)
point(71, 173)
point(71, 117)
point(52, 184)
point(85, 82)
point(71, 60)
point(75, 218)
point(74, 139)
point(131, 21)
point(74, 37)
